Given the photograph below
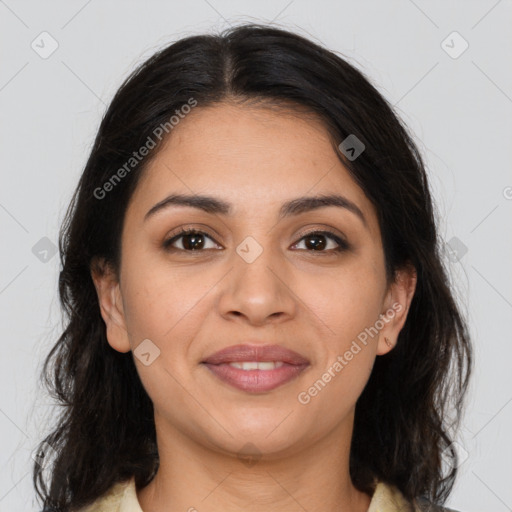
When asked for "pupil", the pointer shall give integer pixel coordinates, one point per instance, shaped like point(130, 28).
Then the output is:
point(318, 242)
point(193, 239)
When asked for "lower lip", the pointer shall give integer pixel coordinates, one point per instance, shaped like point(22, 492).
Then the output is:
point(256, 381)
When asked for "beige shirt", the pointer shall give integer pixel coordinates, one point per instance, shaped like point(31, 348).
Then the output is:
point(123, 498)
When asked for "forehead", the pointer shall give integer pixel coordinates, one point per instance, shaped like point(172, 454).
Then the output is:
point(252, 156)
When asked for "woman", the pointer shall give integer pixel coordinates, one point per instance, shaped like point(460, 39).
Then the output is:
point(258, 313)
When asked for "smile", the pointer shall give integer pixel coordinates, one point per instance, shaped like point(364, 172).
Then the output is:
point(256, 376)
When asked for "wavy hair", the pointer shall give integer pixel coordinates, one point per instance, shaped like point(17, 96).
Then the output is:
point(402, 431)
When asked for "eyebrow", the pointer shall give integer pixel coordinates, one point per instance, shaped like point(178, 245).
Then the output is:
point(296, 206)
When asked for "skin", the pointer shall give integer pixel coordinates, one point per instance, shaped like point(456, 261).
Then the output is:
point(191, 304)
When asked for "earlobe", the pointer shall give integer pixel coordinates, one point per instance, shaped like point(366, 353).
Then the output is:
point(396, 307)
point(111, 306)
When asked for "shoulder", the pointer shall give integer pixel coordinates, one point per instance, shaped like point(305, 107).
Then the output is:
point(113, 499)
point(426, 506)
point(387, 498)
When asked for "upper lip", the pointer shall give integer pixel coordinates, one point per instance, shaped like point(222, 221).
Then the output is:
point(258, 353)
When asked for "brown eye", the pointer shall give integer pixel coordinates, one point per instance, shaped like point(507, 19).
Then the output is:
point(189, 240)
point(318, 241)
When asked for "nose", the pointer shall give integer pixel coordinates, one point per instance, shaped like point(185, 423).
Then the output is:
point(258, 292)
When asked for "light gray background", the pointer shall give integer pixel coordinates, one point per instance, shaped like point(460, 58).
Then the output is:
point(460, 110)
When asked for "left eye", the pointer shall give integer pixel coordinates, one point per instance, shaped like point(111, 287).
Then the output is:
point(316, 241)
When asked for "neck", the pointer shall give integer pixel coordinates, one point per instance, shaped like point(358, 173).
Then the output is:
point(193, 477)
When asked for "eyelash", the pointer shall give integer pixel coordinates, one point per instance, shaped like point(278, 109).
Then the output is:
point(342, 244)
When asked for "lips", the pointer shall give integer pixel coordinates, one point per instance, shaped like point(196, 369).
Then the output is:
point(261, 379)
point(257, 353)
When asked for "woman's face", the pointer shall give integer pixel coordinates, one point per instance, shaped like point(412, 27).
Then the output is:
point(257, 276)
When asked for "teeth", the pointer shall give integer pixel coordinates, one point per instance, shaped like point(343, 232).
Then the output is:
point(260, 365)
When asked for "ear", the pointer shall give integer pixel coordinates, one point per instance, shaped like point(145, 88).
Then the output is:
point(396, 307)
point(111, 305)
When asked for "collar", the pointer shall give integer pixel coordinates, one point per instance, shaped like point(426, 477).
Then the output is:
point(122, 497)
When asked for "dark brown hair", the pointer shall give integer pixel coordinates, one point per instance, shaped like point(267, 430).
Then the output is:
point(106, 431)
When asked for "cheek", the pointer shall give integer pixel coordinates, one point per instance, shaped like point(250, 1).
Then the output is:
point(163, 303)
point(349, 308)
point(346, 304)
point(167, 307)
point(345, 300)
